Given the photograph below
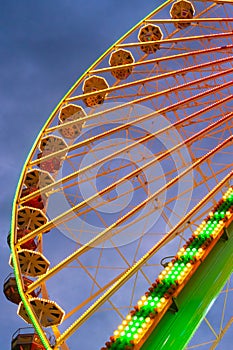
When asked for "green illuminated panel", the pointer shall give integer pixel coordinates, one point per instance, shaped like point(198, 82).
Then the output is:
point(141, 321)
point(15, 262)
point(175, 330)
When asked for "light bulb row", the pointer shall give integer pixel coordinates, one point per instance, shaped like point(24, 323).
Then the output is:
point(139, 320)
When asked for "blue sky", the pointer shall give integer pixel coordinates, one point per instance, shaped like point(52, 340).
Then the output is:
point(45, 46)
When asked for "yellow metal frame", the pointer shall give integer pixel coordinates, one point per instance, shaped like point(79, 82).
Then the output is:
point(30, 163)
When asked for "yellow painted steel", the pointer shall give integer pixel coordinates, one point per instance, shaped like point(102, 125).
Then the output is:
point(107, 232)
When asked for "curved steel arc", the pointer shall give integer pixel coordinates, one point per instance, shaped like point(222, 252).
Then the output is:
point(86, 301)
point(30, 311)
point(153, 78)
point(146, 138)
point(106, 233)
point(72, 147)
point(140, 263)
point(53, 186)
point(23, 175)
point(63, 100)
point(57, 127)
point(22, 178)
point(35, 321)
point(127, 177)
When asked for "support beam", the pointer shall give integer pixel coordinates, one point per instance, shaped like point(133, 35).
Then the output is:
point(194, 300)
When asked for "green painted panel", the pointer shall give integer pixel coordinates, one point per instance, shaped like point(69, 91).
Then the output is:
point(175, 330)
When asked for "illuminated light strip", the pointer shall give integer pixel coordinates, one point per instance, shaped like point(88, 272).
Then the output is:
point(14, 211)
point(155, 302)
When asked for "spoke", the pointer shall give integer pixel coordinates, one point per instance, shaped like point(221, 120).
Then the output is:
point(177, 124)
point(177, 40)
point(222, 333)
point(132, 270)
point(159, 60)
point(106, 234)
point(154, 78)
point(211, 328)
point(190, 20)
point(57, 221)
point(150, 159)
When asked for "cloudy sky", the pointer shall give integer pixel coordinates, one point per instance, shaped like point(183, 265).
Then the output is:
point(45, 46)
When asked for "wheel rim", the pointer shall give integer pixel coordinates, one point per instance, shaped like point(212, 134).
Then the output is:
point(198, 138)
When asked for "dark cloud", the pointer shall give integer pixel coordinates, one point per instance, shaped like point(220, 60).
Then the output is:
point(45, 46)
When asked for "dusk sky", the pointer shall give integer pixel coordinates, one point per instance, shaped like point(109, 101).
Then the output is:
point(45, 46)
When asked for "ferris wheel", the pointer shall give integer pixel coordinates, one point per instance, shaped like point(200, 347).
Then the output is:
point(127, 187)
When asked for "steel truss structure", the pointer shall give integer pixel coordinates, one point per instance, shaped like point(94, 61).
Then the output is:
point(124, 171)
